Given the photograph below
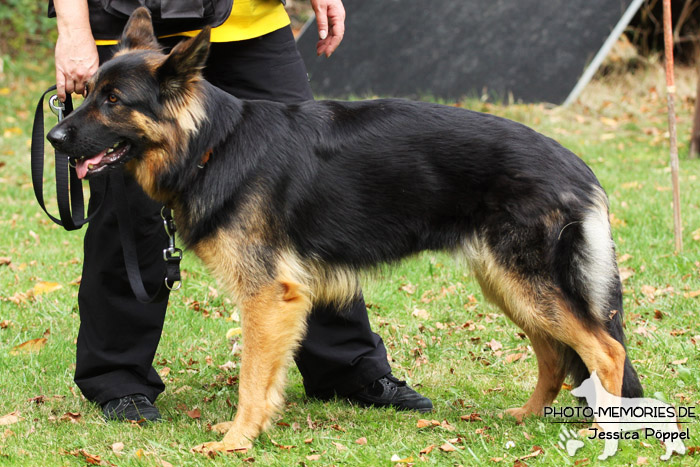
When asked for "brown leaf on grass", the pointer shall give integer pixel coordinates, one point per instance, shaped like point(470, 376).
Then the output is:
point(682, 361)
point(408, 288)
point(625, 257)
point(337, 427)
point(514, 357)
point(420, 314)
point(5, 260)
point(90, 459)
point(339, 446)
point(4, 324)
point(693, 294)
point(33, 345)
point(281, 446)
point(10, 418)
point(423, 423)
point(194, 413)
point(642, 460)
point(397, 460)
point(494, 345)
point(448, 447)
point(313, 457)
point(361, 441)
point(308, 440)
point(519, 463)
point(472, 417)
point(536, 451)
point(427, 450)
point(73, 417)
point(44, 288)
point(117, 448)
point(626, 273)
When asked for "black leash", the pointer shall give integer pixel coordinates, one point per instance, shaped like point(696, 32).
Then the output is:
point(71, 206)
point(171, 255)
point(69, 189)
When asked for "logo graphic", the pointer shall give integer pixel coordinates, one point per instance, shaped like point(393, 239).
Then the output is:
point(619, 418)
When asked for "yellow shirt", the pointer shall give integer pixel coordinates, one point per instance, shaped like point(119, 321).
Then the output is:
point(248, 19)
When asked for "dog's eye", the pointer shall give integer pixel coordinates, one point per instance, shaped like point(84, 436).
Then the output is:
point(112, 98)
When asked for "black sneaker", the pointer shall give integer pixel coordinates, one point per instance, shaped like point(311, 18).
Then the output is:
point(388, 391)
point(134, 407)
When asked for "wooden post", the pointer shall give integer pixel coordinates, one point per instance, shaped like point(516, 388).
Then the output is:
point(670, 98)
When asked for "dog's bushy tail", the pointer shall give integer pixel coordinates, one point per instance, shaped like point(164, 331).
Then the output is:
point(592, 284)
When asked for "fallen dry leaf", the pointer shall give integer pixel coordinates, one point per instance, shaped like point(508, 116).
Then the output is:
point(10, 418)
point(514, 357)
point(73, 417)
point(427, 450)
point(117, 448)
point(194, 413)
point(682, 361)
point(313, 457)
point(494, 345)
point(5, 260)
point(421, 314)
point(233, 332)
point(406, 460)
point(361, 441)
point(472, 417)
point(90, 459)
point(33, 345)
point(448, 447)
point(44, 288)
point(423, 423)
point(339, 446)
point(281, 446)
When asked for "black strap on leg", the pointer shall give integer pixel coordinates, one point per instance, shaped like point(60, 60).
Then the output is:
point(71, 206)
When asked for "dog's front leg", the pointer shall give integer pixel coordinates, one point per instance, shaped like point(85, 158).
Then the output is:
point(273, 323)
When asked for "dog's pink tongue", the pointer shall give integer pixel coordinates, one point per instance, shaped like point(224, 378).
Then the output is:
point(81, 167)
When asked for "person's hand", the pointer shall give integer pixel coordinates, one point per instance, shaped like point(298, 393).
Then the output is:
point(330, 19)
point(76, 61)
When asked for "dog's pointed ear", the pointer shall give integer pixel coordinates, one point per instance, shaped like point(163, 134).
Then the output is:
point(138, 32)
point(184, 63)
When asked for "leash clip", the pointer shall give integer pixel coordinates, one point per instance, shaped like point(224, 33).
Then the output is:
point(57, 107)
point(171, 254)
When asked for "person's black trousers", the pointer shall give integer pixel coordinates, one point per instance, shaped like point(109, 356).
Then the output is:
point(118, 335)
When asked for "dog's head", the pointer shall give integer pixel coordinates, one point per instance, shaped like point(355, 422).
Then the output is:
point(140, 105)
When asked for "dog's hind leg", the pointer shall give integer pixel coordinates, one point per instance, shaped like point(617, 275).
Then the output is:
point(551, 374)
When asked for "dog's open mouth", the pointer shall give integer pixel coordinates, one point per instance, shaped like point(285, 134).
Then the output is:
point(97, 163)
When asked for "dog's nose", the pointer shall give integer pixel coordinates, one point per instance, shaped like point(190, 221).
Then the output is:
point(58, 135)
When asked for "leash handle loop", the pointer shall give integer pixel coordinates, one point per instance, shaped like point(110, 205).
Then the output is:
point(69, 189)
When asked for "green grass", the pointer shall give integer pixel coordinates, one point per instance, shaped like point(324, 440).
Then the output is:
point(437, 341)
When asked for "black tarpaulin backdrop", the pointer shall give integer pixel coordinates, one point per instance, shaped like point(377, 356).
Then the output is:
point(534, 50)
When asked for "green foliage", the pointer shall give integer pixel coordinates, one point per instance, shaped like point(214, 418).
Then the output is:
point(25, 28)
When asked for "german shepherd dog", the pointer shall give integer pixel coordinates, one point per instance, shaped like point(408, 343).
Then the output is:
point(294, 200)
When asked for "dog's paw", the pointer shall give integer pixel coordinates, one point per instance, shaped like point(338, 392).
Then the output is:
point(222, 427)
point(518, 413)
point(212, 448)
